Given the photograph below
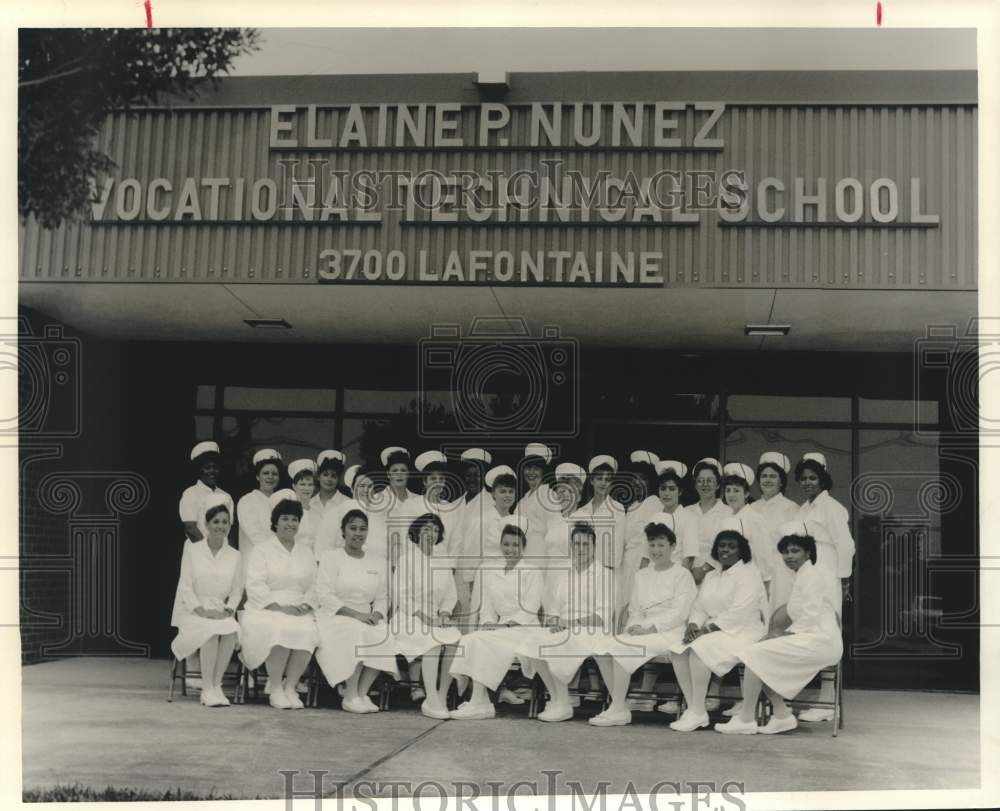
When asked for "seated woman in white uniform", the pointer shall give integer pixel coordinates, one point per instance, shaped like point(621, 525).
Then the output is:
point(208, 593)
point(423, 597)
point(354, 640)
point(805, 637)
point(303, 475)
point(655, 620)
point(278, 625)
point(508, 597)
point(725, 619)
point(579, 620)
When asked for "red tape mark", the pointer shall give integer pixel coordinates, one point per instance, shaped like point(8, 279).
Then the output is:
point(878, 12)
point(148, 5)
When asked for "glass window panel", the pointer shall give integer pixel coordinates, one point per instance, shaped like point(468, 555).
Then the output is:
point(764, 407)
point(205, 397)
point(253, 399)
point(390, 402)
point(203, 428)
point(908, 412)
point(656, 405)
point(293, 437)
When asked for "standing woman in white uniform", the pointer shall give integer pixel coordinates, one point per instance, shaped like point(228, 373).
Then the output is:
point(538, 503)
point(604, 513)
point(433, 465)
point(354, 641)
point(510, 598)
point(805, 637)
point(472, 509)
point(658, 609)
point(568, 491)
point(329, 474)
point(209, 591)
point(404, 504)
point(364, 497)
point(205, 461)
point(776, 509)
point(278, 623)
point(423, 597)
point(254, 509)
point(709, 510)
point(302, 472)
point(725, 619)
point(829, 523)
point(737, 480)
point(501, 483)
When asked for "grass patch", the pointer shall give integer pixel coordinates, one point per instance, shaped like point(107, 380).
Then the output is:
point(85, 794)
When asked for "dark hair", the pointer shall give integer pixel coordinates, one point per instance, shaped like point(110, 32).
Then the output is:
point(658, 530)
point(413, 533)
point(670, 475)
point(352, 514)
point(397, 458)
point(285, 507)
point(257, 468)
point(825, 479)
point(732, 535)
point(535, 460)
point(510, 529)
point(504, 480)
point(204, 458)
point(806, 542)
point(331, 463)
point(736, 480)
point(703, 465)
point(583, 528)
point(778, 469)
point(304, 472)
point(211, 512)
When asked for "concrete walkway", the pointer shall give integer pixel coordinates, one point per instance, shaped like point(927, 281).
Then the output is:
point(105, 722)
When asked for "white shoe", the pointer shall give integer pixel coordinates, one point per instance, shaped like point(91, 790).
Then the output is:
point(355, 705)
point(712, 704)
point(612, 719)
point(193, 682)
point(369, 705)
point(689, 722)
point(279, 700)
point(776, 725)
point(670, 707)
point(556, 712)
point(733, 711)
point(734, 726)
point(301, 687)
point(509, 697)
point(417, 694)
point(640, 704)
point(473, 712)
point(294, 702)
point(207, 698)
point(341, 689)
point(267, 686)
point(220, 698)
point(434, 710)
point(574, 700)
point(816, 714)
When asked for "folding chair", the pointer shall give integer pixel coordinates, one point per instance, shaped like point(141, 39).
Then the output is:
point(179, 670)
point(259, 674)
point(834, 674)
point(656, 695)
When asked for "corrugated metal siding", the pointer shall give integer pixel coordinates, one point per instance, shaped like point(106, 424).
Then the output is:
point(935, 144)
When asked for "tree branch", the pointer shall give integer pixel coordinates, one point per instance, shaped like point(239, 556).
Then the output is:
point(53, 77)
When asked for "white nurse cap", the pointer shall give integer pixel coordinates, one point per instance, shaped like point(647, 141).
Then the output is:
point(538, 449)
point(476, 455)
point(203, 448)
point(603, 459)
point(570, 470)
point(745, 472)
point(733, 523)
point(775, 458)
point(430, 458)
point(350, 474)
point(708, 460)
point(518, 521)
point(330, 454)
point(647, 457)
point(796, 528)
point(387, 452)
point(296, 467)
point(815, 457)
point(282, 495)
point(499, 470)
point(266, 455)
point(667, 519)
point(218, 499)
point(678, 467)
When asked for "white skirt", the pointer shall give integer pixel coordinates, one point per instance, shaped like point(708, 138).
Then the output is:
point(486, 656)
point(194, 631)
point(786, 664)
point(261, 630)
point(637, 649)
point(720, 650)
point(345, 641)
point(565, 651)
point(414, 638)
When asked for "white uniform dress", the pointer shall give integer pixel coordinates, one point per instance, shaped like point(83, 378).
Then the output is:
point(324, 507)
point(469, 527)
point(732, 599)
point(788, 663)
point(209, 581)
point(254, 514)
point(192, 506)
point(506, 596)
point(360, 584)
point(573, 595)
point(708, 528)
point(419, 585)
point(609, 521)
point(308, 528)
point(763, 549)
point(662, 599)
point(538, 506)
point(686, 529)
point(330, 536)
point(829, 523)
point(275, 575)
point(775, 511)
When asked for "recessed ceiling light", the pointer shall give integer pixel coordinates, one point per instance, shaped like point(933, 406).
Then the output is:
point(766, 329)
point(267, 323)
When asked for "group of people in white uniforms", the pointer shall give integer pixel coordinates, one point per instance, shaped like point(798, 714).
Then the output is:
point(464, 586)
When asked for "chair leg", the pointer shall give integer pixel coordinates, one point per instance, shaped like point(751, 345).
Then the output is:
point(173, 679)
point(184, 679)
